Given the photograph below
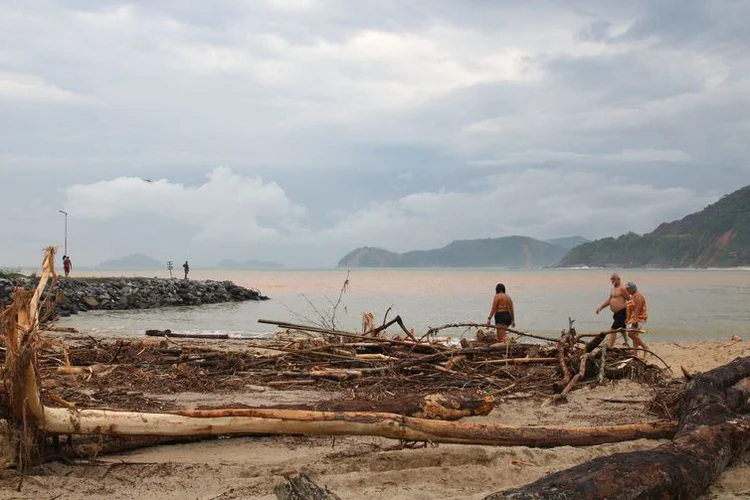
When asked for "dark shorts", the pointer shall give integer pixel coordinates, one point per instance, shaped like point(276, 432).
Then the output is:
point(619, 319)
point(503, 318)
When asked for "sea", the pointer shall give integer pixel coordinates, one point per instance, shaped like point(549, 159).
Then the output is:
point(683, 305)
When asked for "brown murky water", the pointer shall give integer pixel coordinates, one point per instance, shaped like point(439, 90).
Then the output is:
point(683, 304)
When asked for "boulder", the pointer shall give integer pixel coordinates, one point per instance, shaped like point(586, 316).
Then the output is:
point(90, 302)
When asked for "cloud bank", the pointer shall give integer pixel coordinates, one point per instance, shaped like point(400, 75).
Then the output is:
point(296, 130)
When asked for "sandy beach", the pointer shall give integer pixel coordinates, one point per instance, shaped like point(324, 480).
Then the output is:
point(370, 467)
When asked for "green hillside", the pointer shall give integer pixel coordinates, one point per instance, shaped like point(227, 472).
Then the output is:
point(717, 236)
point(509, 251)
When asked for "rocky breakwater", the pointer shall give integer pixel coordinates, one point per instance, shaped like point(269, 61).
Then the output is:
point(85, 294)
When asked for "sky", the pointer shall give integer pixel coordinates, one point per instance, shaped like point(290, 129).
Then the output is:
point(297, 130)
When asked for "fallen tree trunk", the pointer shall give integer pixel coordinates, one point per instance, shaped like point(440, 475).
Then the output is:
point(714, 428)
point(170, 333)
point(388, 425)
point(449, 406)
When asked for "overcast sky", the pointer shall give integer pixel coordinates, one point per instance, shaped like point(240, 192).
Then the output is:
point(298, 130)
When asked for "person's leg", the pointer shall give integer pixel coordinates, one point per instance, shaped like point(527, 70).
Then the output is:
point(618, 322)
point(634, 337)
point(638, 341)
point(625, 338)
point(501, 336)
point(642, 345)
point(612, 340)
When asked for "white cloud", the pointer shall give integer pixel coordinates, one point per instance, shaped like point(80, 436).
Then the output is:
point(22, 86)
point(293, 6)
point(226, 206)
point(537, 203)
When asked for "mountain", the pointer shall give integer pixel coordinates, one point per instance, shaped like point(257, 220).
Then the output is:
point(248, 264)
point(509, 251)
point(717, 236)
point(568, 242)
point(137, 261)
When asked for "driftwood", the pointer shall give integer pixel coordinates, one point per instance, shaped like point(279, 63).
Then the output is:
point(714, 428)
point(450, 406)
point(272, 421)
point(170, 333)
point(396, 320)
point(301, 487)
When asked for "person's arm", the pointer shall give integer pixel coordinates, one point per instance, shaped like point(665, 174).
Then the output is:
point(637, 308)
point(493, 308)
point(605, 304)
point(512, 312)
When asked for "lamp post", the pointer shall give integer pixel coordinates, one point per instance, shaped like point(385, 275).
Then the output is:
point(66, 229)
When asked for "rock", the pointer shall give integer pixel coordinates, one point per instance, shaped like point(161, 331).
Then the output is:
point(82, 294)
point(90, 302)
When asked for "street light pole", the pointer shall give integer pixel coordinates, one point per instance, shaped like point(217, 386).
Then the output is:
point(66, 229)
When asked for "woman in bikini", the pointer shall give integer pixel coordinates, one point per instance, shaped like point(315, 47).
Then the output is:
point(502, 311)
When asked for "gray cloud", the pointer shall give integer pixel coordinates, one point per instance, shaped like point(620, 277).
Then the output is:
point(337, 124)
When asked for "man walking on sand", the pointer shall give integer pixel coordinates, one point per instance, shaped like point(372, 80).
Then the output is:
point(617, 302)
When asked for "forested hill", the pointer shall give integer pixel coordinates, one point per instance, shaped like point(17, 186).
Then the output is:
point(509, 251)
point(717, 236)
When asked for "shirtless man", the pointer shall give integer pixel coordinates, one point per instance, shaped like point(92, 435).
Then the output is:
point(617, 302)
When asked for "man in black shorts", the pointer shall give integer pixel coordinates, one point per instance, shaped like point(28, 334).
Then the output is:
point(617, 302)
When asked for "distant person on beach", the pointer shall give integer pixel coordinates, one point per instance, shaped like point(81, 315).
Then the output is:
point(186, 267)
point(617, 302)
point(502, 311)
point(67, 265)
point(637, 314)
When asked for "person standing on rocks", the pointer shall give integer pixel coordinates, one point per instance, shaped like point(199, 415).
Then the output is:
point(186, 267)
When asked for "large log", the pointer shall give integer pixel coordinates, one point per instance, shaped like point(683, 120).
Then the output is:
point(170, 333)
point(448, 406)
point(713, 429)
point(388, 425)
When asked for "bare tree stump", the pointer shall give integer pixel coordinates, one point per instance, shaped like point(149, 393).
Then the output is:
point(712, 432)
